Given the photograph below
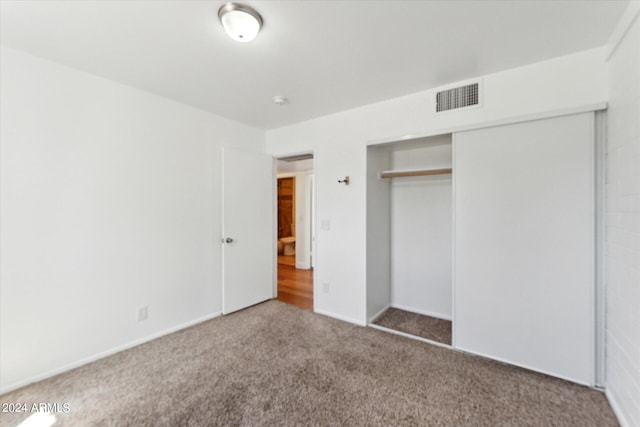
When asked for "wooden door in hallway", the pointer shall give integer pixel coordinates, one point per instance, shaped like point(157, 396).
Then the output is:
point(286, 207)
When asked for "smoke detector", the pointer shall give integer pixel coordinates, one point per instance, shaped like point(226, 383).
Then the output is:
point(280, 100)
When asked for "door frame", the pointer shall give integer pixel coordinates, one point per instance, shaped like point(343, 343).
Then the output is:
point(310, 217)
point(310, 213)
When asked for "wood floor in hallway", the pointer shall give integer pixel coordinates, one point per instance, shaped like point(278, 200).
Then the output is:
point(295, 286)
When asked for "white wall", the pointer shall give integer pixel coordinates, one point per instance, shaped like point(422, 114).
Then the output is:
point(622, 266)
point(110, 201)
point(421, 232)
point(378, 233)
point(340, 141)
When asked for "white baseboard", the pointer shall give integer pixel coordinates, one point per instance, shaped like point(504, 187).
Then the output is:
point(343, 318)
point(378, 314)
point(613, 402)
point(423, 312)
point(413, 337)
point(101, 355)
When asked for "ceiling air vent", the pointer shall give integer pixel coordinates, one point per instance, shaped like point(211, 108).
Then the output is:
point(458, 97)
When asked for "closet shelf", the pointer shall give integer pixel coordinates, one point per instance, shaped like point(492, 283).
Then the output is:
point(415, 172)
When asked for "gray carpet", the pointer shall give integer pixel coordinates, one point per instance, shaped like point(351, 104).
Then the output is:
point(275, 364)
point(416, 324)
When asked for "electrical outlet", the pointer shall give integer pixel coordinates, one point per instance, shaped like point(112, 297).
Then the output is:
point(325, 287)
point(143, 313)
point(326, 224)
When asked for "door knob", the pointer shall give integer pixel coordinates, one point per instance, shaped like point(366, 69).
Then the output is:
point(228, 240)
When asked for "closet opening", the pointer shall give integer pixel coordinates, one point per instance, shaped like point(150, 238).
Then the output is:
point(410, 238)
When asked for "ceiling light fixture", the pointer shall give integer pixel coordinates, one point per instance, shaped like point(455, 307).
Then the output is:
point(242, 23)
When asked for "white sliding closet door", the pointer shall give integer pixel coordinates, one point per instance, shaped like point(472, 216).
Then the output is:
point(524, 244)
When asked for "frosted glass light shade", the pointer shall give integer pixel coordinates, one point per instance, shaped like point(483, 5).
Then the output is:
point(241, 22)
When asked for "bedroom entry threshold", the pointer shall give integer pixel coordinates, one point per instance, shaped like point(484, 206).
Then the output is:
point(413, 325)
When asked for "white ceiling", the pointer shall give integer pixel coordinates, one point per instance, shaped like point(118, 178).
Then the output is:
point(325, 56)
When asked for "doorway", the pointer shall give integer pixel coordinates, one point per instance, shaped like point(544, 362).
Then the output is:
point(294, 234)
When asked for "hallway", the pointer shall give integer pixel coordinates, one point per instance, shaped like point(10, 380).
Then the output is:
point(295, 286)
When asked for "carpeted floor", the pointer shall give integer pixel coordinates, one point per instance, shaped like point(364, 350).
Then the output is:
point(275, 364)
point(416, 324)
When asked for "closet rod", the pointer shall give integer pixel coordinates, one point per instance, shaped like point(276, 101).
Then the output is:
point(400, 174)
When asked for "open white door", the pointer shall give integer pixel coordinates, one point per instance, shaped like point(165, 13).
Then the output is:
point(247, 227)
